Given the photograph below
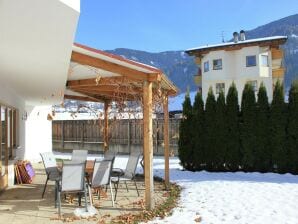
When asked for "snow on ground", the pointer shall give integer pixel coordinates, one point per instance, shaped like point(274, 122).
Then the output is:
point(229, 197)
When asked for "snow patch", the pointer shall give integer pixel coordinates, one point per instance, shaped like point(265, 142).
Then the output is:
point(225, 198)
point(183, 54)
point(134, 58)
point(176, 102)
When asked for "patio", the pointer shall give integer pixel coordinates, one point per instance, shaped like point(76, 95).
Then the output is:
point(23, 203)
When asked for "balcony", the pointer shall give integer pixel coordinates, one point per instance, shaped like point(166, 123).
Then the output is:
point(198, 80)
point(277, 53)
point(278, 73)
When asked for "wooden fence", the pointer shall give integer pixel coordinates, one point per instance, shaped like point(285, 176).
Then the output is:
point(121, 132)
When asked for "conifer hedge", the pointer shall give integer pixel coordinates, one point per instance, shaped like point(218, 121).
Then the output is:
point(259, 137)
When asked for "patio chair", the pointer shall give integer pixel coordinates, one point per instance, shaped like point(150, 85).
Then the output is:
point(51, 168)
point(72, 181)
point(128, 174)
point(102, 175)
point(79, 155)
point(109, 155)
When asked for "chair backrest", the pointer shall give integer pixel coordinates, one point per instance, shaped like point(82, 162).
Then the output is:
point(109, 155)
point(49, 161)
point(73, 176)
point(132, 164)
point(101, 172)
point(79, 155)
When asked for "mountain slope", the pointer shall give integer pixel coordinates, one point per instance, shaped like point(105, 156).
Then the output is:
point(177, 65)
point(287, 26)
point(180, 68)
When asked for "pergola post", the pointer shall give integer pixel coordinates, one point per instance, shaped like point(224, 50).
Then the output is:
point(106, 127)
point(166, 140)
point(148, 144)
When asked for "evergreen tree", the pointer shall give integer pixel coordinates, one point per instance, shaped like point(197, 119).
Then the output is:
point(232, 157)
point(292, 128)
point(247, 131)
point(220, 132)
point(263, 151)
point(199, 133)
point(278, 129)
point(210, 130)
point(185, 147)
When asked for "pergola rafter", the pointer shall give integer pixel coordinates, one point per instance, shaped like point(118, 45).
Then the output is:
point(124, 80)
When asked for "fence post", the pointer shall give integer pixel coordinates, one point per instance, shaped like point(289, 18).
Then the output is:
point(128, 136)
point(62, 134)
point(156, 135)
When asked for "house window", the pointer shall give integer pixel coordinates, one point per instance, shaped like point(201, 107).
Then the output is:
point(254, 85)
point(251, 61)
point(8, 135)
point(206, 66)
point(264, 60)
point(217, 64)
point(220, 87)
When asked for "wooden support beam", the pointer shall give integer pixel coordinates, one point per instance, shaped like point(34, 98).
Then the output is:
point(82, 98)
point(111, 67)
point(109, 88)
point(106, 127)
point(111, 96)
point(166, 140)
point(97, 81)
point(148, 144)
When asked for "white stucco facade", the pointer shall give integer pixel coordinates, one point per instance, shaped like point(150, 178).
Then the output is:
point(35, 48)
point(234, 69)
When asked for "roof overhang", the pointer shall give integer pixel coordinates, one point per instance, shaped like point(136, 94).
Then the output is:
point(35, 47)
point(274, 41)
point(95, 75)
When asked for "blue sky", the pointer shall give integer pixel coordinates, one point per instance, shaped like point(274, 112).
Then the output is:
point(162, 25)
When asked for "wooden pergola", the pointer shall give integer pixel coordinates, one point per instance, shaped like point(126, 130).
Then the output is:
point(99, 76)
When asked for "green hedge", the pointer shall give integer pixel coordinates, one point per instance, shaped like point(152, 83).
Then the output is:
point(261, 137)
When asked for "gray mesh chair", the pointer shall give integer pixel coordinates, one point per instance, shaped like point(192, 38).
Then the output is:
point(72, 181)
point(128, 174)
point(50, 165)
point(102, 175)
point(79, 156)
point(109, 155)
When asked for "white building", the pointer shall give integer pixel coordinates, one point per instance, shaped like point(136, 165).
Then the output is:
point(35, 48)
point(241, 61)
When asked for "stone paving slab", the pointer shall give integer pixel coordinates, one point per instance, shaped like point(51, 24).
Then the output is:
point(23, 203)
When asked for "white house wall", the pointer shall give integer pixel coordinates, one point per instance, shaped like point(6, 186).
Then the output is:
point(234, 70)
point(36, 39)
point(38, 131)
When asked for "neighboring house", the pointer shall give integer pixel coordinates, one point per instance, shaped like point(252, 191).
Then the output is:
point(35, 48)
point(240, 61)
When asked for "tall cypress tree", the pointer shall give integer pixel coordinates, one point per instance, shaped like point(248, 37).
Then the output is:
point(278, 129)
point(292, 128)
point(199, 132)
point(248, 136)
point(185, 147)
point(263, 151)
point(210, 130)
point(232, 157)
point(220, 132)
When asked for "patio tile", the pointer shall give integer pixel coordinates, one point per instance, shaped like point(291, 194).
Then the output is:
point(23, 203)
